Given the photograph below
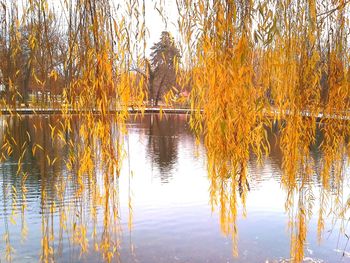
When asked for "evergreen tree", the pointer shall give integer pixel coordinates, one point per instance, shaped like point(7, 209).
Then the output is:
point(164, 59)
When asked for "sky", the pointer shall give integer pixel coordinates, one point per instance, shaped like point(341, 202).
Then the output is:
point(156, 24)
point(154, 21)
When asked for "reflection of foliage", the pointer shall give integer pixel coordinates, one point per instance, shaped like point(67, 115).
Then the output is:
point(89, 190)
point(84, 179)
point(162, 143)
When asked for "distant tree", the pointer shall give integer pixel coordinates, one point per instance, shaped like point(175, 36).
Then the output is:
point(9, 48)
point(29, 50)
point(165, 57)
point(160, 70)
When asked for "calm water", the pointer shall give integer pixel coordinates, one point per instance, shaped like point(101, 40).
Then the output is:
point(163, 203)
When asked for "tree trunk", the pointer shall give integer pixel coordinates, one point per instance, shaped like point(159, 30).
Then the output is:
point(159, 89)
point(26, 84)
point(150, 88)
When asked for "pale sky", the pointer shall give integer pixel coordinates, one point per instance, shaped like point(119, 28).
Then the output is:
point(154, 21)
point(156, 24)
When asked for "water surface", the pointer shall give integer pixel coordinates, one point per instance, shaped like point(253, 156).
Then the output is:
point(163, 203)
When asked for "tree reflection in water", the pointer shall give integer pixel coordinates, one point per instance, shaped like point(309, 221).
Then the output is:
point(162, 145)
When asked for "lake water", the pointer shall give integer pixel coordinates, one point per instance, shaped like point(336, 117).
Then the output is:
point(162, 203)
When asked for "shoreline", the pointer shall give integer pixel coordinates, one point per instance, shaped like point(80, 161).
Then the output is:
point(30, 111)
point(152, 110)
